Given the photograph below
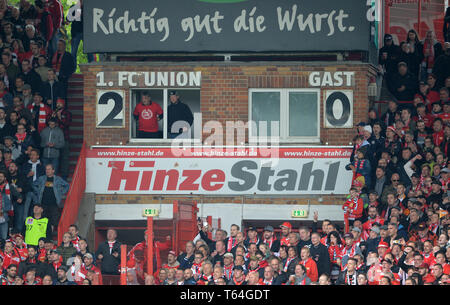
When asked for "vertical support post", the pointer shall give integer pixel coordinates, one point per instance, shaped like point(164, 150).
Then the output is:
point(123, 264)
point(150, 245)
point(419, 17)
point(387, 17)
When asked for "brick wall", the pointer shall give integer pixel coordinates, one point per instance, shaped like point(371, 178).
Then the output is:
point(224, 92)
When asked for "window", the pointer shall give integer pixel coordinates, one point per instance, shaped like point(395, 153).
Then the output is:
point(157, 130)
point(291, 114)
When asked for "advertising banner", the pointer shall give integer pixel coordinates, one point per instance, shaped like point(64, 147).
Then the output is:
point(133, 26)
point(218, 171)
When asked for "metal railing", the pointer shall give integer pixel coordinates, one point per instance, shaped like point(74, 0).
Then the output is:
point(69, 214)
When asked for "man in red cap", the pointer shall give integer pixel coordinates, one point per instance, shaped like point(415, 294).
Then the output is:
point(382, 249)
point(286, 228)
point(63, 120)
point(20, 246)
point(172, 262)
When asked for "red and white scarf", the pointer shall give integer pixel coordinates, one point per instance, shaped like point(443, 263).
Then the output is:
point(288, 261)
point(196, 268)
point(232, 242)
point(42, 120)
point(228, 271)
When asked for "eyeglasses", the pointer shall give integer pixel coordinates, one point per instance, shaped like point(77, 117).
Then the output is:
point(395, 180)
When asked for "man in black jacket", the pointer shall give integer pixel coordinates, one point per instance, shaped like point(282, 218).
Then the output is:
point(404, 84)
point(63, 64)
point(388, 57)
point(441, 66)
point(108, 253)
point(20, 183)
point(5, 128)
point(319, 253)
point(176, 112)
point(270, 240)
point(30, 76)
point(51, 90)
point(280, 276)
point(349, 276)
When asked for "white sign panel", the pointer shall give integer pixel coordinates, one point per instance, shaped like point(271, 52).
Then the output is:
point(338, 109)
point(110, 109)
point(235, 171)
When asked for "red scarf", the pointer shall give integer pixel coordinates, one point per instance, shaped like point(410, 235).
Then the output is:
point(42, 115)
point(232, 242)
point(196, 268)
point(228, 271)
point(284, 241)
point(428, 52)
point(21, 137)
point(236, 282)
point(56, 63)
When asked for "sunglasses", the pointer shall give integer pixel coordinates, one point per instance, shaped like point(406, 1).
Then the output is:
point(395, 180)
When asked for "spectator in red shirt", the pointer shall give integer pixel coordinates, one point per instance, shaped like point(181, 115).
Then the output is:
point(148, 114)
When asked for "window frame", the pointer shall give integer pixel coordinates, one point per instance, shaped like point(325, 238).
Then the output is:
point(284, 115)
point(164, 106)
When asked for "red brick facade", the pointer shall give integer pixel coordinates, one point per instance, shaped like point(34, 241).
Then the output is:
point(224, 92)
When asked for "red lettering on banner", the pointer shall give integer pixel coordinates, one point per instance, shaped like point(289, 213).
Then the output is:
point(118, 174)
point(160, 178)
point(213, 176)
point(191, 176)
point(146, 180)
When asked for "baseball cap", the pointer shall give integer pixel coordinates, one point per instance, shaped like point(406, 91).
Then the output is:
point(356, 229)
point(402, 63)
point(387, 260)
point(62, 267)
point(172, 252)
point(228, 254)
point(362, 124)
point(368, 128)
point(387, 37)
point(286, 224)
point(26, 87)
point(391, 128)
point(172, 92)
point(55, 251)
point(88, 255)
point(268, 228)
point(445, 170)
point(383, 244)
point(348, 235)
point(251, 228)
point(435, 181)
point(376, 229)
